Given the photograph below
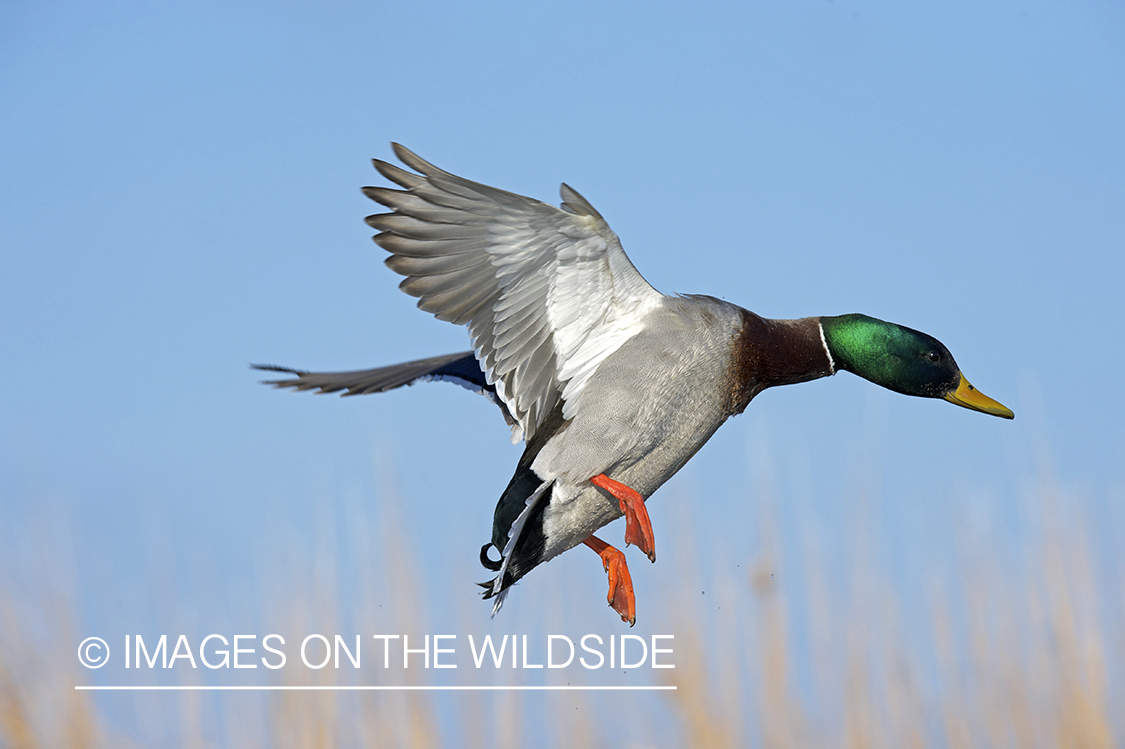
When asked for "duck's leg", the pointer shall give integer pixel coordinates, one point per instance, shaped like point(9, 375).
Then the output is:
point(638, 528)
point(621, 596)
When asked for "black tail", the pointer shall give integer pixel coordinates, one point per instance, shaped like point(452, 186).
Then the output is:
point(528, 551)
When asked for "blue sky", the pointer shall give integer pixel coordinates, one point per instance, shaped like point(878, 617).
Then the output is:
point(179, 196)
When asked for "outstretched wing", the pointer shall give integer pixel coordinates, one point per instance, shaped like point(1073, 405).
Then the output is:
point(461, 369)
point(547, 293)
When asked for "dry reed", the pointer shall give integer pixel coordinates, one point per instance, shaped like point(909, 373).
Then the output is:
point(1011, 654)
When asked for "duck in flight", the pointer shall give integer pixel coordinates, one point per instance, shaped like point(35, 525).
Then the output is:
point(612, 385)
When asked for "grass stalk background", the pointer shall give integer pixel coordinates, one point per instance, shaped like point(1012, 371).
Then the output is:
point(1018, 648)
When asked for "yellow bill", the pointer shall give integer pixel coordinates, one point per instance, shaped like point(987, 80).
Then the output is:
point(968, 396)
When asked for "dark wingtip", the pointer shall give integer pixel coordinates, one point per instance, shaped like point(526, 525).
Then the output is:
point(285, 370)
point(403, 153)
point(278, 368)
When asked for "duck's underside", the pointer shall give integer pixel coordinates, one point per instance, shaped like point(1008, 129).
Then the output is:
point(532, 546)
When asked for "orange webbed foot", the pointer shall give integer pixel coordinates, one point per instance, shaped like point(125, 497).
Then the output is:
point(621, 597)
point(638, 527)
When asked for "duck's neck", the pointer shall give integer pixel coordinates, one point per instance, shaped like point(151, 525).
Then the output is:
point(778, 352)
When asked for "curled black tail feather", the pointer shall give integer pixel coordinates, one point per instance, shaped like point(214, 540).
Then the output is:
point(486, 561)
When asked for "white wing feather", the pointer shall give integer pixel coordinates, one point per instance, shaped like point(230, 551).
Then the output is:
point(547, 294)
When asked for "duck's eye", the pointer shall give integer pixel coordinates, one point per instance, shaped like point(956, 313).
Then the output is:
point(934, 356)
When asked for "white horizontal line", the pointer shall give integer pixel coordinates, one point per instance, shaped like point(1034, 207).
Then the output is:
point(311, 688)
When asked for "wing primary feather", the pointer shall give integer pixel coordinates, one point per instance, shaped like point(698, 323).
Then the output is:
point(401, 245)
point(573, 202)
point(406, 265)
point(413, 205)
point(419, 228)
point(466, 281)
point(443, 305)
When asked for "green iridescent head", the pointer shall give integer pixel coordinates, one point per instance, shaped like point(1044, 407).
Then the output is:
point(904, 360)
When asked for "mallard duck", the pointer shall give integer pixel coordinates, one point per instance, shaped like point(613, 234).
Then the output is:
point(612, 385)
